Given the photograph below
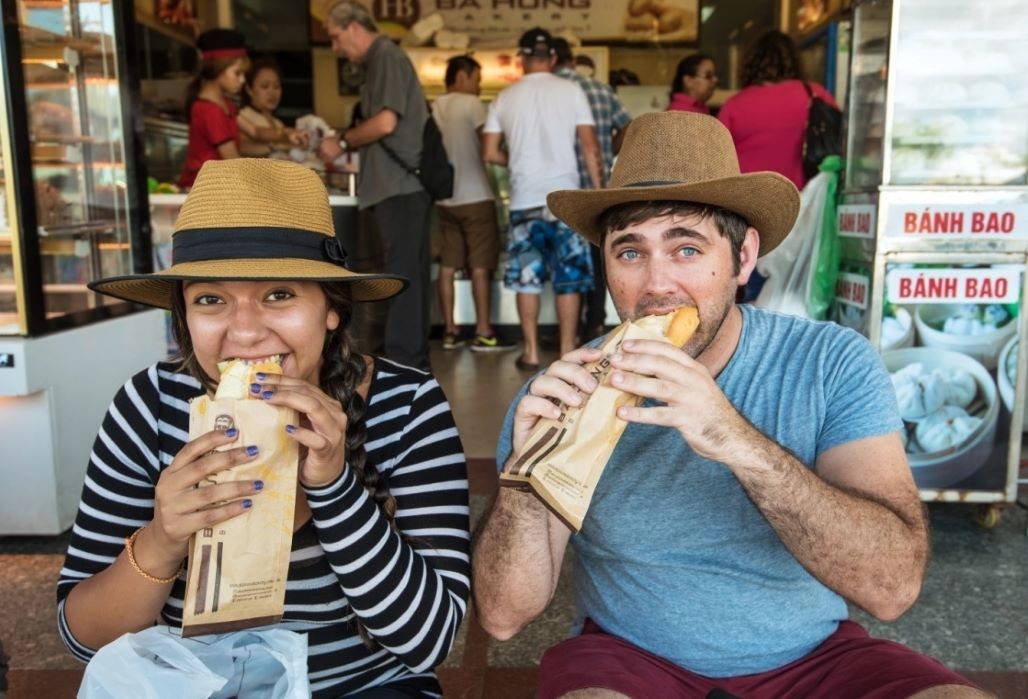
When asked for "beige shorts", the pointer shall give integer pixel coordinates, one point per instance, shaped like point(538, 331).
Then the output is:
point(470, 235)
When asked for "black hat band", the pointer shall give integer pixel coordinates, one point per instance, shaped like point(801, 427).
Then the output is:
point(202, 244)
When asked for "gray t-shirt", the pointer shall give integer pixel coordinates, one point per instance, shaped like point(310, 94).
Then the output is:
point(675, 558)
point(391, 83)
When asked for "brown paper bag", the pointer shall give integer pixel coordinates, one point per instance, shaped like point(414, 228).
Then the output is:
point(563, 459)
point(237, 570)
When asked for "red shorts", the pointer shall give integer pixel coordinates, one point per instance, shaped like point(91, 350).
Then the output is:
point(848, 664)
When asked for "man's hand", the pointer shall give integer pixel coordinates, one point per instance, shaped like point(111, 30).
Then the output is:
point(693, 403)
point(330, 150)
point(566, 380)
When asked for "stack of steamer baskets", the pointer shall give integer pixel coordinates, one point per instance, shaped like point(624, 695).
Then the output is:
point(946, 390)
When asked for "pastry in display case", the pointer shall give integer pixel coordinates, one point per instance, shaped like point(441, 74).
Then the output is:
point(73, 189)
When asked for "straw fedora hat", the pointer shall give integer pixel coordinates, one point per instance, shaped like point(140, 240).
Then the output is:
point(250, 219)
point(681, 156)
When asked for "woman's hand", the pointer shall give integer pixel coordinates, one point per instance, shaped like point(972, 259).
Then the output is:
point(566, 380)
point(322, 428)
point(181, 508)
point(300, 139)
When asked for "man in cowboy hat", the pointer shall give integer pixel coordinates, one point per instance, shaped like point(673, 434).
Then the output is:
point(760, 485)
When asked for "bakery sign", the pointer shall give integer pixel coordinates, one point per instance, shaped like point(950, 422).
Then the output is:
point(856, 220)
point(1007, 221)
point(953, 285)
point(504, 20)
point(852, 289)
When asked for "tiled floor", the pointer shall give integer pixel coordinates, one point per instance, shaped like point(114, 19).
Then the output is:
point(973, 612)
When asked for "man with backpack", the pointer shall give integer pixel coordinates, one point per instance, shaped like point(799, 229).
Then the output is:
point(390, 143)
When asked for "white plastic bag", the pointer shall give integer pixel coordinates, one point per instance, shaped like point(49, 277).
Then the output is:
point(790, 267)
point(159, 664)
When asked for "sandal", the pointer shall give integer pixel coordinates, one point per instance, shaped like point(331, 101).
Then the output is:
point(520, 363)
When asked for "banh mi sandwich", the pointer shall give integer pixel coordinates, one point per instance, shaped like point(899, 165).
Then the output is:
point(677, 326)
point(563, 458)
point(238, 374)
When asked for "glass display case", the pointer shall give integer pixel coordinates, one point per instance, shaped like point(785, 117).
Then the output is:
point(956, 76)
point(933, 231)
point(71, 176)
point(72, 192)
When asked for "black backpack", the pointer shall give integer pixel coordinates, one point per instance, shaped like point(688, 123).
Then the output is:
point(434, 171)
point(823, 136)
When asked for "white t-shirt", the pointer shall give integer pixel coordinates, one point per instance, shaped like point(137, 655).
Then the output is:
point(459, 115)
point(538, 116)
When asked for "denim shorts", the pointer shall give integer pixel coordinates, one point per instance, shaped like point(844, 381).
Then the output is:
point(541, 248)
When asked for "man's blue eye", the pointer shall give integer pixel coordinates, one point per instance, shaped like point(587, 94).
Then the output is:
point(630, 254)
point(688, 252)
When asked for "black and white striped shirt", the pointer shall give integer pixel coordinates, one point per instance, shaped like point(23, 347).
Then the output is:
point(411, 597)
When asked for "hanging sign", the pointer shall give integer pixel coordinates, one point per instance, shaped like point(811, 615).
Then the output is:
point(856, 220)
point(1008, 221)
point(505, 20)
point(983, 285)
point(852, 289)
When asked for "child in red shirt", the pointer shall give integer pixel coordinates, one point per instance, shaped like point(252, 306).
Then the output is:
point(213, 132)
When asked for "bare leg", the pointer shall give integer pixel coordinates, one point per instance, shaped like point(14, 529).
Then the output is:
point(567, 316)
point(444, 286)
point(481, 293)
point(528, 311)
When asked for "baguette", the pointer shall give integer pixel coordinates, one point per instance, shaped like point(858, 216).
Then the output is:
point(238, 374)
point(677, 326)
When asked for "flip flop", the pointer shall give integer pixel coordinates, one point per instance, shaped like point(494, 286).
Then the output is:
point(520, 363)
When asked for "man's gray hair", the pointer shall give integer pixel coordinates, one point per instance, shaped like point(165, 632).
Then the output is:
point(344, 13)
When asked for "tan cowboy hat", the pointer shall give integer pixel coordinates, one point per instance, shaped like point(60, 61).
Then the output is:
point(250, 219)
point(682, 156)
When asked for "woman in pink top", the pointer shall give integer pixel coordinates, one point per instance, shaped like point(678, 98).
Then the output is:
point(768, 117)
point(694, 83)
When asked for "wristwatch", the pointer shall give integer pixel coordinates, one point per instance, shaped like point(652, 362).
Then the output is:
point(342, 143)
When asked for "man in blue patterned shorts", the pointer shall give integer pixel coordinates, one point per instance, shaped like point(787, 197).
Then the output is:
point(539, 117)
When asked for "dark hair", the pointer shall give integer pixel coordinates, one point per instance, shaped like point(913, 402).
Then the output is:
point(460, 64)
point(772, 58)
point(210, 69)
point(256, 66)
point(689, 65)
point(728, 223)
point(562, 50)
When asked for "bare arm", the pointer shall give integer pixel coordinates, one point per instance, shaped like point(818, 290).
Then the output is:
point(119, 600)
point(228, 150)
point(856, 523)
point(371, 130)
point(592, 154)
point(491, 150)
point(519, 549)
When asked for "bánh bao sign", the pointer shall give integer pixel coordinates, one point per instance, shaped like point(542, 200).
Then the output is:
point(947, 285)
point(504, 20)
point(974, 221)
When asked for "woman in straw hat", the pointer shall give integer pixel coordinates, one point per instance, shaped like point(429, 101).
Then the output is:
point(258, 271)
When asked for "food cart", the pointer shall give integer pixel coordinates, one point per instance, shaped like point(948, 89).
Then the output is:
point(933, 226)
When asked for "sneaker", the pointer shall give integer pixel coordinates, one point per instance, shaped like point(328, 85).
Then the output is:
point(491, 343)
point(452, 341)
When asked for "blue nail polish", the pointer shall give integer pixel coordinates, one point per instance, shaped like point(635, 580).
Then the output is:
point(267, 394)
point(231, 432)
point(252, 450)
point(255, 388)
point(261, 375)
point(290, 428)
point(258, 485)
point(247, 504)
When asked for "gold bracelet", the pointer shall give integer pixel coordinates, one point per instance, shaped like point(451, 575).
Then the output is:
point(129, 543)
